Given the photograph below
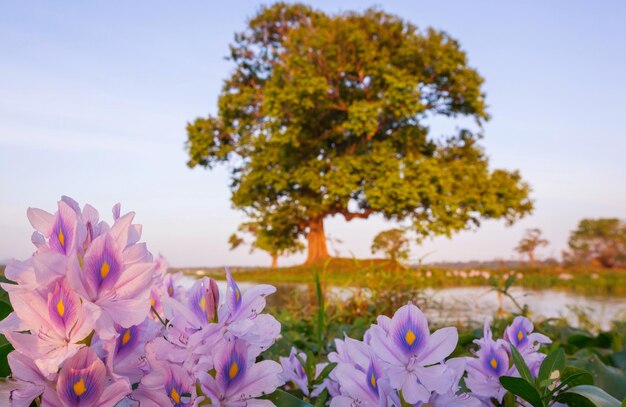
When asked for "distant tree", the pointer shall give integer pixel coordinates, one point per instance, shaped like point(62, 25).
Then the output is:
point(531, 241)
point(328, 115)
point(599, 240)
point(275, 242)
point(393, 243)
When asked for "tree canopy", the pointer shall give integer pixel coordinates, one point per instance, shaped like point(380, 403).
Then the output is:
point(393, 243)
point(599, 240)
point(531, 241)
point(328, 115)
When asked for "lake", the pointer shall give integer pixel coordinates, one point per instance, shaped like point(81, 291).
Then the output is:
point(472, 305)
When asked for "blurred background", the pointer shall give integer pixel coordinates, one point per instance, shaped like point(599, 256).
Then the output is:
point(96, 98)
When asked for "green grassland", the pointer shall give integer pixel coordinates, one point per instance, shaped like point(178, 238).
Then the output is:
point(374, 272)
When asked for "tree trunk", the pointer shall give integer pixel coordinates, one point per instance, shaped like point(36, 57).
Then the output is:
point(274, 261)
point(316, 241)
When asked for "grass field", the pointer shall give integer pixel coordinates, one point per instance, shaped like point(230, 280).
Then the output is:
point(373, 272)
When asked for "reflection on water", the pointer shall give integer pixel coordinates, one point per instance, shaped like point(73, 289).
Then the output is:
point(471, 304)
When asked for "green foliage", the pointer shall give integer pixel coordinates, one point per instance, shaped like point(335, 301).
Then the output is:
point(282, 398)
point(393, 243)
point(598, 240)
point(328, 115)
point(555, 383)
point(5, 346)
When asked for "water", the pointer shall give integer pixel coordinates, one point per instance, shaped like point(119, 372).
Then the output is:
point(449, 306)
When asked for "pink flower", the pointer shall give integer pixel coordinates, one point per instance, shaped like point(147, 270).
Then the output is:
point(83, 381)
point(57, 320)
point(238, 379)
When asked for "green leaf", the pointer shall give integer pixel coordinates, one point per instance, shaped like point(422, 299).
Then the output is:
point(509, 282)
point(523, 389)
point(521, 366)
point(619, 359)
point(554, 361)
point(593, 394)
point(5, 310)
point(575, 379)
point(321, 399)
point(284, 399)
point(608, 378)
point(5, 349)
point(324, 373)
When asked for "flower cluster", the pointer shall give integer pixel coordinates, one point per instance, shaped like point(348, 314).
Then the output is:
point(493, 358)
point(399, 362)
point(97, 321)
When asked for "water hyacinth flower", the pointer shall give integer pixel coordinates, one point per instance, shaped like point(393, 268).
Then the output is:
point(26, 382)
point(491, 362)
point(167, 384)
point(242, 316)
point(412, 356)
point(83, 381)
point(119, 288)
point(238, 379)
point(455, 397)
point(367, 387)
point(57, 320)
point(520, 334)
point(293, 371)
point(125, 354)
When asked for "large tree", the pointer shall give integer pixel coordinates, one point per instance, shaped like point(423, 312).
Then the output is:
point(529, 244)
point(599, 240)
point(328, 115)
point(393, 243)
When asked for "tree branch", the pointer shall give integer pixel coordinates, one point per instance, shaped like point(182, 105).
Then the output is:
point(352, 215)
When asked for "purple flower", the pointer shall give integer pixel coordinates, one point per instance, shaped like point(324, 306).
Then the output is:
point(484, 371)
point(367, 388)
point(293, 371)
point(119, 288)
point(520, 334)
point(412, 355)
point(238, 378)
point(125, 354)
point(60, 229)
point(453, 397)
point(57, 320)
point(27, 382)
point(83, 381)
point(167, 384)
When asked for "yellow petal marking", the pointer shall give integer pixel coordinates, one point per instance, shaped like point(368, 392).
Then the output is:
point(61, 307)
point(104, 269)
point(126, 337)
point(410, 337)
point(202, 303)
point(494, 363)
point(373, 380)
point(79, 387)
point(152, 302)
point(170, 290)
point(175, 395)
point(61, 237)
point(234, 369)
point(237, 294)
point(520, 335)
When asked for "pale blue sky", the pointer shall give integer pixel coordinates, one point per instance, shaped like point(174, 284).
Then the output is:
point(94, 98)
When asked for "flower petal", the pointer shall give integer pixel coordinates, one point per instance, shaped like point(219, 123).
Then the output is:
point(439, 346)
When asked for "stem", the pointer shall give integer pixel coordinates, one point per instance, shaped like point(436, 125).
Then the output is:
point(158, 316)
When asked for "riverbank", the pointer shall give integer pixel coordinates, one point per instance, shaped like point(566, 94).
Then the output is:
point(381, 273)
